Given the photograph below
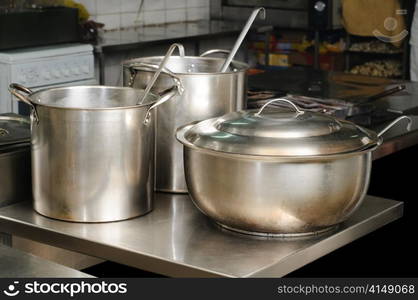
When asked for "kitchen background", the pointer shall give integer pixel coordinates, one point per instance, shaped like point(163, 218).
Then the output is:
point(127, 13)
point(290, 43)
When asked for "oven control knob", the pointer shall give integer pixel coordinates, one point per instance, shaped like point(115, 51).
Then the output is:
point(320, 6)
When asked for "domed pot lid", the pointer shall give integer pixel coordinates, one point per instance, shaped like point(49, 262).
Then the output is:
point(278, 132)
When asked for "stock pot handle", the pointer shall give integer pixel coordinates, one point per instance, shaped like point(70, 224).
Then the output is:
point(161, 66)
point(394, 122)
point(297, 109)
point(14, 88)
point(164, 96)
point(213, 51)
point(150, 68)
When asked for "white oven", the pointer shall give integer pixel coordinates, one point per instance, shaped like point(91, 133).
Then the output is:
point(44, 67)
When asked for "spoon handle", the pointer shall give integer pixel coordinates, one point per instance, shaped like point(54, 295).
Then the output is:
point(242, 36)
point(160, 68)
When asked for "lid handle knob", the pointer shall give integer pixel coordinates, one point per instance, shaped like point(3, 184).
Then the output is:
point(297, 109)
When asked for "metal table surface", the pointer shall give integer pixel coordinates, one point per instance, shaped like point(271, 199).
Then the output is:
point(177, 240)
point(15, 263)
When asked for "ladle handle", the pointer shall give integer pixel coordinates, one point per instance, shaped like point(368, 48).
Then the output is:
point(160, 68)
point(241, 37)
point(297, 109)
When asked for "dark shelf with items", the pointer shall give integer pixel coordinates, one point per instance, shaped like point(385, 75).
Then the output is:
point(375, 61)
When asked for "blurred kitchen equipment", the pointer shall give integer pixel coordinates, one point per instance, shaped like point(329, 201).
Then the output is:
point(207, 94)
point(92, 152)
point(278, 172)
point(340, 108)
point(386, 93)
point(44, 67)
point(299, 14)
point(29, 27)
point(15, 178)
point(241, 37)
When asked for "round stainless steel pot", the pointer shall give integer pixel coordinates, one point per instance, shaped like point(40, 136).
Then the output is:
point(268, 194)
point(92, 151)
point(207, 94)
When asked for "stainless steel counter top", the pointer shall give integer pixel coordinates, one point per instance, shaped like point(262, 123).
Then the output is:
point(177, 240)
point(15, 263)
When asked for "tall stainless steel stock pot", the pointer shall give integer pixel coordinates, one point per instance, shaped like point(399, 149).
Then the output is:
point(92, 151)
point(278, 172)
point(208, 93)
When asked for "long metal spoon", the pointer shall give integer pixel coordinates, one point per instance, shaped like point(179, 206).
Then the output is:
point(160, 68)
point(242, 36)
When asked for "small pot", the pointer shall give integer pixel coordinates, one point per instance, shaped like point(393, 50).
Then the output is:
point(278, 172)
point(92, 151)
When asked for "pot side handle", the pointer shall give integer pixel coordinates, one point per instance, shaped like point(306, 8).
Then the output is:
point(394, 122)
point(213, 51)
point(153, 68)
point(14, 88)
point(218, 51)
point(164, 96)
point(157, 73)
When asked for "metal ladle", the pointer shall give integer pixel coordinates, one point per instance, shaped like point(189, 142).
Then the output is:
point(160, 68)
point(242, 36)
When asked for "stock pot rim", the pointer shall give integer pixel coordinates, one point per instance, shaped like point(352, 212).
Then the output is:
point(130, 63)
point(90, 108)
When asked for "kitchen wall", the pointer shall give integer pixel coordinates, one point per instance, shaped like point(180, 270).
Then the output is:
point(124, 13)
